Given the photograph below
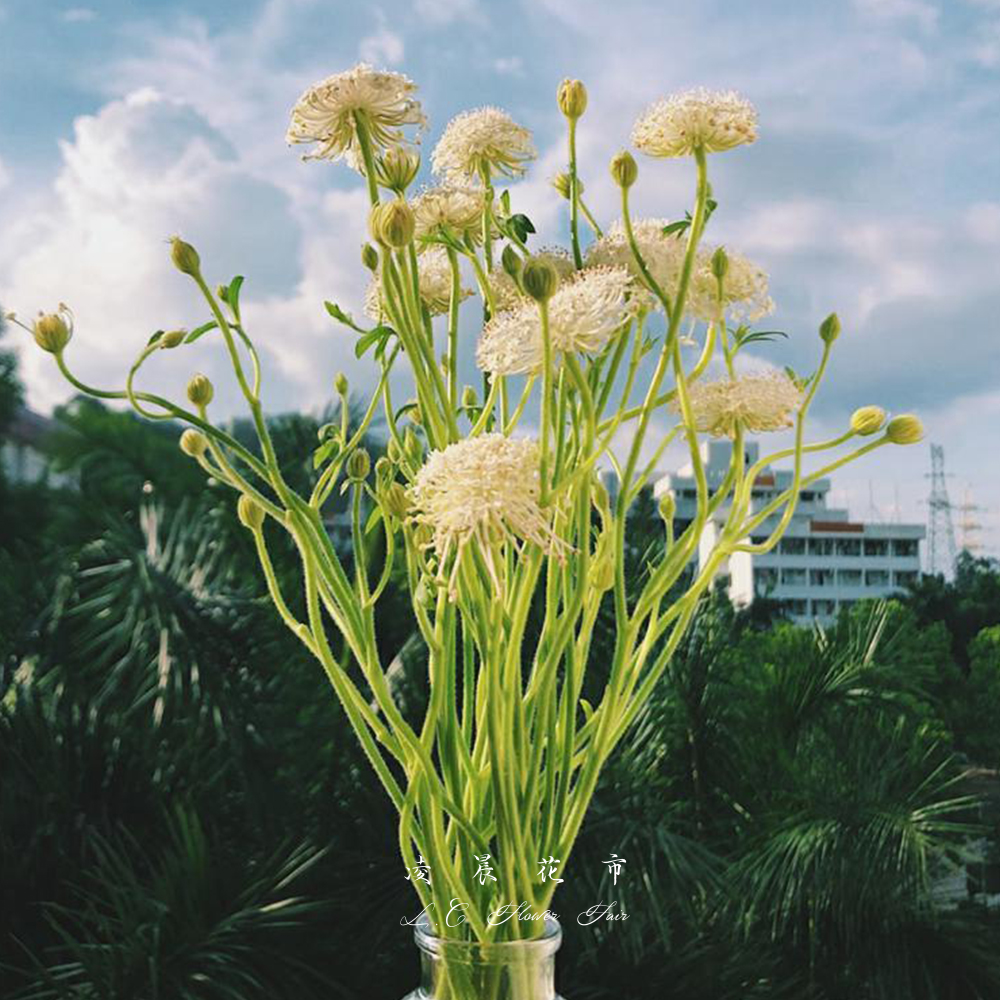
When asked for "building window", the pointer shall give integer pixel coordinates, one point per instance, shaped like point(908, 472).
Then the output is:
point(849, 577)
point(876, 547)
point(793, 546)
point(796, 606)
point(848, 547)
point(906, 547)
point(876, 578)
point(689, 494)
point(904, 577)
point(821, 546)
point(793, 577)
point(821, 577)
point(824, 607)
point(758, 539)
point(764, 577)
point(807, 496)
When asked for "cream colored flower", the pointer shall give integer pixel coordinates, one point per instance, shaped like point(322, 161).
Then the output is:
point(712, 120)
point(487, 140)
point(325, 113)
point(482, 491)
point(507, 295)
point(456, 208)
point(434, 270)
point(663, 255)
point(756, 402)
point(584, 314)
point(744, 289)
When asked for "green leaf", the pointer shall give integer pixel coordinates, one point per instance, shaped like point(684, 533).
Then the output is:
point(675, 228)
point(233, 295)
point(156, 336)
point(521, 226)
point(200, 331)
point(379, 335)
point(374, 519)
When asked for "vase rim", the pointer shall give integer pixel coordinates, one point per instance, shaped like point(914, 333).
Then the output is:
point(547, 944)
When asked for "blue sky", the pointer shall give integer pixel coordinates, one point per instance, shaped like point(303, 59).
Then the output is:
point(874, 188)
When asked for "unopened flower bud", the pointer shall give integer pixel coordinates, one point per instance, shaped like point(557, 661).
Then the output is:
point(52, 331)
point(540, 278)
point(172, 338)
point(359, 464)
point(250, 513)
point(511, 261)
point(412, 446)
point(395, 501)
point(601, 498)
point(393, 451)
point(393, 223)
point(602, 572)
point(829, 329)
point(720, 264)
point(340, 384)
point(200, 391)
point(905, 429)
point(470, 398)
point(624, 169)
point(369, 257)
point(572, 97)
point(668, 506)
point(564, 185)
point(397, 168)
point(193, 443)
point(867, 420)
point(185, 257)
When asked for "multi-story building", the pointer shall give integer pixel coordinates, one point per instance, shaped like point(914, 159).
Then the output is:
point(824, 561)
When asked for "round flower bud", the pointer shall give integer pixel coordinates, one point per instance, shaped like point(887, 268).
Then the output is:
point(52, 331)
point(905, 429)
point(359, 464)
point(193, 443)
point(412, 446)
point(250, 513)
point(200, 391)
point(394, 223)
point(185, 257)
point(720, 264)
point(602, 572)
point(624, 169)
point(172, 338)
point(395, 501)
point(668, 506)
point(867, 420)
point(369, 257)
point(572, 97)
point(397, 168)
point(540, 278)
point(829, 329)
point(564, 185)
point(340, 384)
point(470, 398)
point(392, 450)
point(511, 260)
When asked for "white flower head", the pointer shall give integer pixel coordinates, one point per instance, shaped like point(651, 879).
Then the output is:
point(434, 271)
point(744, 289)
point(662, 254)
point(488, 141)
point(584, 314)
point(325, 113)
point(711, 120)
point(756, 402)
point(482, 491)
point(450, 206)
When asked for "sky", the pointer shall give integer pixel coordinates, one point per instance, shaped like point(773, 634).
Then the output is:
point(873, 189)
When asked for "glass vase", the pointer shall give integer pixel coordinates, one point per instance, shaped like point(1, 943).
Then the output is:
point(468, 970)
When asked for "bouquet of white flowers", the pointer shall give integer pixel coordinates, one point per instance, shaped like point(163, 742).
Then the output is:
point(490, 496)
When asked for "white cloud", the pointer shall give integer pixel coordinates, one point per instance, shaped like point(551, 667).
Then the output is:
point(139, 170)
point(924, 15)
point(509, 65)
point(382, 47)
point(79, 15)
point(442, 12)
point(4, 176)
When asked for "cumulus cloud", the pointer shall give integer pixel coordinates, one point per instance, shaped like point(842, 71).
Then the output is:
point(139, 170)
point(4, 176)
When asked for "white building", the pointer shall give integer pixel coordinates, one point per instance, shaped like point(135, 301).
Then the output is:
point(824, 562)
